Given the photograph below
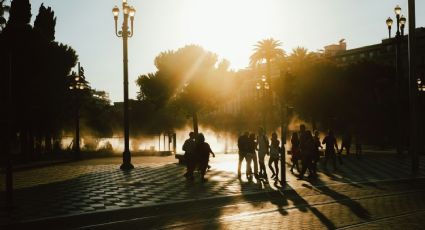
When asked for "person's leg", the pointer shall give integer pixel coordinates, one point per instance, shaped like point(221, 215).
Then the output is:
point(293, 165)
point(264, 166)
point(303, 168)
point(297, 165)
point(190, 168)
point(248, 165)
point(276, 166)
point(255, 160)
point(271, 168)
point(239, 164)
point(203, 169)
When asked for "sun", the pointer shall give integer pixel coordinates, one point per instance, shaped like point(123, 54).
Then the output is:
point(228, 27)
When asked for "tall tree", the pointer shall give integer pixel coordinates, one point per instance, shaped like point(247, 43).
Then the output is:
point(267, 50)
point(45, 23)
point(189, 78)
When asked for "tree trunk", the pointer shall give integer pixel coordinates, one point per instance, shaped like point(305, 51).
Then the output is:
point(195, 122)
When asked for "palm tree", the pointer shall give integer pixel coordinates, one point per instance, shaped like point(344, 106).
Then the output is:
point(3, 9)
point(267, 50)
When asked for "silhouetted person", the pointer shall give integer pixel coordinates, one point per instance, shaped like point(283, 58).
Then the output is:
point(359, 150)
point(263, 149)
point(251, 156)
point(307, 155)
point(243, 150)
point(203, 150)
point(346, 142)
point(189, 155)
point(274, 156)
point(330, 145)
point(316, 155)
point(295, 152)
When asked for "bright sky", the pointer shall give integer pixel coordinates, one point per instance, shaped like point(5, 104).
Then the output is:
point(229, 28)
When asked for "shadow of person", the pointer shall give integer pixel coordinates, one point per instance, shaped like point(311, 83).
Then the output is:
point(342, 199)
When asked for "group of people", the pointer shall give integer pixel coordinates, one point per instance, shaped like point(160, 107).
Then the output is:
point(306, 148)
point(248, 144)
point(197, 155)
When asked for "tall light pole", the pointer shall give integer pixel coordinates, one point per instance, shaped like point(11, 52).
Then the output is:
point(285, 115)
point(400, 24)
point(262, 88)
point(77, 85)
point(413, 89)
point(125, 33)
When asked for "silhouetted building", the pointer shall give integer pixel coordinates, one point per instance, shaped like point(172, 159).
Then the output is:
point(385, 53)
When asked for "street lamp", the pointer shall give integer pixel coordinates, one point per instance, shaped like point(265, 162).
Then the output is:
point(400, 24)
point(77, 85)
point(125, 33)
point(262, 88)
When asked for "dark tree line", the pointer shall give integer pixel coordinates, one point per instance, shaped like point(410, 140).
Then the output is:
point(35, 75)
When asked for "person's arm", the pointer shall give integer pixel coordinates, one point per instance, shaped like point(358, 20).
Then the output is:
point(210, 150)
point(184, 147)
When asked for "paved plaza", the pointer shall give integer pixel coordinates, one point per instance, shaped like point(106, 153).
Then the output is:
point(90, 187)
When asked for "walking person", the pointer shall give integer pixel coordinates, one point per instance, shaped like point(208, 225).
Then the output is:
point(307, 156)
point(243, 150)
point(189, 155)
point(203, 150)
point(263, 149)
point(330, 145)
point(295, 152)
point(251, 156)
point(274, 156)
point(359, 151)
point(316, 155)
point(346, 143)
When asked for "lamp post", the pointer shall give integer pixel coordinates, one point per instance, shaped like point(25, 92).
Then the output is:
point(286, 112)
point(262, 88)
point(77, 85)
point(413, 140)
point(400, 24)
point(125, 33)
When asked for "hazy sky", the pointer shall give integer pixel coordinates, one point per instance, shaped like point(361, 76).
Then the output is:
point(226, 27)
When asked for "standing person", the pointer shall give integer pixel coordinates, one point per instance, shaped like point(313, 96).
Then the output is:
point(274, 156)
point(359, 151)
point(251, 156)
point(330, 146)
point(189, 155)
point(203, 150)
point(263, 149)
point(316, 155)
point(307, 156)
point(303, 140)
point(295, 152)
point(243, 150)
point(346, 143)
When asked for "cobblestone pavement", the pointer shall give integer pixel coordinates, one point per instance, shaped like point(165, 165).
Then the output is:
point(98, 185)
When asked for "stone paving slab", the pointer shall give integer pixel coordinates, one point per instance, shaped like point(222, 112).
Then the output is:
point(78, 188)
point(339, 214)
